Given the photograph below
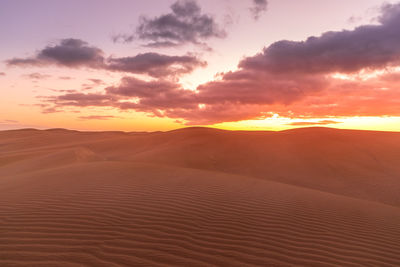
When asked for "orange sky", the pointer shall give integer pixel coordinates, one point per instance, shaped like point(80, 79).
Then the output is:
point(243, 67)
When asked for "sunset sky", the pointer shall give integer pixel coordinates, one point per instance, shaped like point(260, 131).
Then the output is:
point(147, 65)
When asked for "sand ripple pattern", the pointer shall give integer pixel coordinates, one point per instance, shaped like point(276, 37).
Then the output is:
point(118, 214)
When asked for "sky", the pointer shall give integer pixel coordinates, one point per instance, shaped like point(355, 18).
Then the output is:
point(149, 65)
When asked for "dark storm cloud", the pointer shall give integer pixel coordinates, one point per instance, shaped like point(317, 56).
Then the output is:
point(259, 7)
point(185, 24)
point(76, 53)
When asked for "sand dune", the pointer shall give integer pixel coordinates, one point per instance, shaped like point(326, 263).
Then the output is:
point(200, 197)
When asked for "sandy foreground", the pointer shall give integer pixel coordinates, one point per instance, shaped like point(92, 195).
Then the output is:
point(200, 197)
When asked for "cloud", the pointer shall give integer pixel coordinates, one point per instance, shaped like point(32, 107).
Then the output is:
point(156, 65)
point(69, 52)
point(365, 47)
point(2, 74)
point(48, 110)
point(259, 7)
point(53, 104)
point(132, 87)
point(79, 99)
point(96, 81)
point(65, 78)
point(94, 84)
point(152, 96)
point(288, 73)
point(131, 94)
point(311, 123)
point(288, 78)
point(374, 97)
point(164, 98)
point(249, 87)
point(97, 117)
point(184, 24)
point(9, 121)
point(37, 76)
point(76, 53)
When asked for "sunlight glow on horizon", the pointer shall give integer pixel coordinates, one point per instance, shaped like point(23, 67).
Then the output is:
point(391, 124)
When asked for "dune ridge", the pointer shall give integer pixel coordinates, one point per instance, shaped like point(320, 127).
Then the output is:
point(199, 197)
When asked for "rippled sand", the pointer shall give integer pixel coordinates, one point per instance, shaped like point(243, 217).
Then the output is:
point(200, 197)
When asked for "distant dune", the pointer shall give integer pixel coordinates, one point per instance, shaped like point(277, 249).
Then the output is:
point(200, 197)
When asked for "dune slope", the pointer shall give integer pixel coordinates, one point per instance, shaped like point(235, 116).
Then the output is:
point(124, 199)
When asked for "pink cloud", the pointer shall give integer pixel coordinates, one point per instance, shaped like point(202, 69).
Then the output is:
point(75, 53)
point(292, 79)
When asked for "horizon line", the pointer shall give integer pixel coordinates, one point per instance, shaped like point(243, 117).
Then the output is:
point(196, 127)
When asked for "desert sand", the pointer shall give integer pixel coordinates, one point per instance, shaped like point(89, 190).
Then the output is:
point(200, 197)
